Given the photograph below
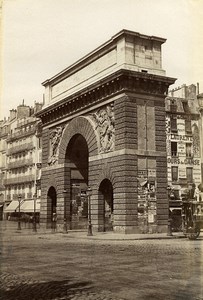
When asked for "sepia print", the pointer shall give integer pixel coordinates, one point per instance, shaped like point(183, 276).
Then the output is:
point(101, 153)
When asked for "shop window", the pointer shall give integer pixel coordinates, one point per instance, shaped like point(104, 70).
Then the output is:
point(188, 149)
point(189, 174)
point(174, 149)
point(174, 173)
point(188, 127)
point(173, 124)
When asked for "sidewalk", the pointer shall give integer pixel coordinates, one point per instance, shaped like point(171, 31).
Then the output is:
point(10, 227)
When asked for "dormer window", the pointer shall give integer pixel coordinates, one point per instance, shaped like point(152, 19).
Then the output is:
point(173, 106)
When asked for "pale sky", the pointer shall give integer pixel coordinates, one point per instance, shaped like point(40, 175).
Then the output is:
point(42, 37)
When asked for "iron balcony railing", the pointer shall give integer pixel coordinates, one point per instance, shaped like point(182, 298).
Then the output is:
point(19, 179)
point(19, 134)
point(20, 163)
point(15, 196)
point(20, 148)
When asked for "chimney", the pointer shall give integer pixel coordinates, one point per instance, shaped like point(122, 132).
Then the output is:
point(197, 88)
point(23, 111)
point(12, 114)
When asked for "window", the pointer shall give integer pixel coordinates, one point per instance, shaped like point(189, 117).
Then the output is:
point(188, 128)
point(174, 149)
point(173, 124)
point(173, 106)
point(185, 107)
point(174, 173)
point(188, 149)
point(189, 174)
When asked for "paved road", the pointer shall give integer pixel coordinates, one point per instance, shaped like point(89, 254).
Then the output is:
point(57, 266)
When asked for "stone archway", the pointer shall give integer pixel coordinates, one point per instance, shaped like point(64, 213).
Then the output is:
point(83, 126)
point(106, 204)
point(79, 141)
point(77, 157)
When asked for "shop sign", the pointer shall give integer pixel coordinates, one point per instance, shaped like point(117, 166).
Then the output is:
point(186, 161)
point(181, 137)
point(142, 173)
point(151, 215)
point(152, 172)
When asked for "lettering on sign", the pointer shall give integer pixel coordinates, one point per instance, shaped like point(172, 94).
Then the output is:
point(186, 161)
point(180, 137)
point(142, 173)
point(151, 172)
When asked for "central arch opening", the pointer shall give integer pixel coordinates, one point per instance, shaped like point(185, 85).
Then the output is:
point(77, 156)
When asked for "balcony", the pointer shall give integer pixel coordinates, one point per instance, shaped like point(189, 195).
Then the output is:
point(8, 197)
point(19, 179)
point(20, 134)
point(15, 196)
point(20, 148)
point(20, 163)
point(29, 195)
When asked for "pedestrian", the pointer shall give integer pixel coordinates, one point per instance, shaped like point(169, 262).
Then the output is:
point(54, 220)
point(197, 194)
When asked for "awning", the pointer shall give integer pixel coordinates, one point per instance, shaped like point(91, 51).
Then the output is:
point(142, 180)
point(28, 206)
point(12, 207)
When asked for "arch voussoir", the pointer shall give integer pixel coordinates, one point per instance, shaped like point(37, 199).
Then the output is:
point(80, 125)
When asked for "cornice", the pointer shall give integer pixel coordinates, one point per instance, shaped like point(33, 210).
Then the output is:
point(120, 81)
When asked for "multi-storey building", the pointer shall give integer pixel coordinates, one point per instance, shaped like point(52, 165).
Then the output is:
point(183, 141)
point(21, 150)
point(200, 102)
point(4, 128)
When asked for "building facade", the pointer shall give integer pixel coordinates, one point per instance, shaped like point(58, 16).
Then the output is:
point(104, 127)
point(183, 127)
point(21, 155)
point(200, 102)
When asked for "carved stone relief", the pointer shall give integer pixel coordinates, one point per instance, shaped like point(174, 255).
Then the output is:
point(55, 138)
point(105, 126)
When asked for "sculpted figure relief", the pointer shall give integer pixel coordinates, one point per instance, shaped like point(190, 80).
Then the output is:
point(54, 143)
point(105, 127)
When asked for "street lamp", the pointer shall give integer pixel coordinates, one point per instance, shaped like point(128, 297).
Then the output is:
point(19, 201)
point(65, 227)
point(89, 193)
point(34, 219)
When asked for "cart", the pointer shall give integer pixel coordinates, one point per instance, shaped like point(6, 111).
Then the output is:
point(192, 218)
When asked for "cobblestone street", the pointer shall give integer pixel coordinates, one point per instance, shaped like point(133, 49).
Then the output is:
point(57, 266)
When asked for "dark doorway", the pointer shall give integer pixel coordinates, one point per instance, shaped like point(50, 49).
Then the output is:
point(51, 204)
point(77, 155)
point(106, 204)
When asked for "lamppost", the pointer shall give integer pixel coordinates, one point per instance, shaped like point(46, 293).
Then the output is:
point(89, 193)
point(19, 201)
point(65, 227)
point(37, 183)
point(34, 219)
point(169, 228)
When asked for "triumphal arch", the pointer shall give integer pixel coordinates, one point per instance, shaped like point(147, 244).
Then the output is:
point(104, 127)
